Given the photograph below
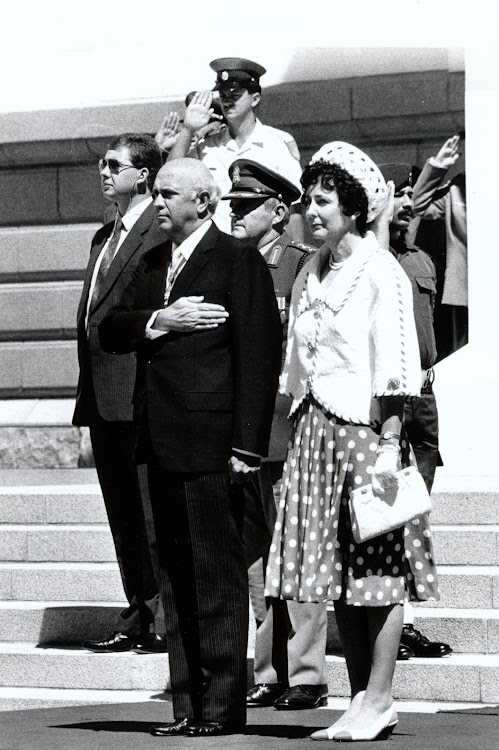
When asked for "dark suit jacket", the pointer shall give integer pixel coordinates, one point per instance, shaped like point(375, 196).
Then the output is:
point(204, 392)
point(106, 381)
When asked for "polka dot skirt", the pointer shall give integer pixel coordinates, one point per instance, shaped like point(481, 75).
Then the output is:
point(313, 556)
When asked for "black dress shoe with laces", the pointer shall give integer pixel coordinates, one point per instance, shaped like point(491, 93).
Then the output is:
point(178, 727)
point(302, 696)
point(151, 644)
point(265, 694)
point(404, 653)
point(211, 728)
point(422, 646)
point(118, 643)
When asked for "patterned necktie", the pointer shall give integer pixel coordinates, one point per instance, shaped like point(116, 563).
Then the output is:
point(106, 260)
point(176, 265)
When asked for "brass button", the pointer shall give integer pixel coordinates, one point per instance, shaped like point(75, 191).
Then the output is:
point(317, 314)
point(311, 347)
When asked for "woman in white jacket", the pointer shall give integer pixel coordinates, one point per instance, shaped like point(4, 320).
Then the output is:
point(352, 358)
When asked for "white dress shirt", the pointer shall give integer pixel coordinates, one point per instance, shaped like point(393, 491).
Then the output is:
point(128, 221)
point(185, 249)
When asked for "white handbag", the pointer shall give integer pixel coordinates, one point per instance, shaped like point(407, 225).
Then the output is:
point(372, 515)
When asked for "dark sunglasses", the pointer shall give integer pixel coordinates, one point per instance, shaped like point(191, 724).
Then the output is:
point(115, 167)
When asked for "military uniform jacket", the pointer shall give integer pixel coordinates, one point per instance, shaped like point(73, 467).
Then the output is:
point(284, 259)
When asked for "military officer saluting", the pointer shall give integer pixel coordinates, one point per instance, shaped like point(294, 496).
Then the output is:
point(238, 85)
point(290, 646)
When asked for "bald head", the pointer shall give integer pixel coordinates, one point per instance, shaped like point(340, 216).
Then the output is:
point(185, 196)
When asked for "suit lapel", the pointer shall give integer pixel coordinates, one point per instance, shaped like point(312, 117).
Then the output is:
point(134, 241)
point(194, 265)
point(105, 231)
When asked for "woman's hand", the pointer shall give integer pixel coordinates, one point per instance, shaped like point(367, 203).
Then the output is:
point(385, 468)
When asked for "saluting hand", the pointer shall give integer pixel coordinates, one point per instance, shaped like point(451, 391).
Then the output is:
point(198, 113)
point(448, 154)
point(168, 132)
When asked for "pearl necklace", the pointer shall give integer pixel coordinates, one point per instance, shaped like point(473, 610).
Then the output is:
point(334, 265)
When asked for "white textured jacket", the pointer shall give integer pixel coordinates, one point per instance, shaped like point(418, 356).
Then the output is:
point(355, 341)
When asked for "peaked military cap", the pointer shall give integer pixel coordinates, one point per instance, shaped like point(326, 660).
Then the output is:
point(253, 180)
point(401, 174)
point(236, 70)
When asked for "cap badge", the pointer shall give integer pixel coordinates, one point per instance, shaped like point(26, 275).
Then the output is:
point(224, 75)
point(236, 176)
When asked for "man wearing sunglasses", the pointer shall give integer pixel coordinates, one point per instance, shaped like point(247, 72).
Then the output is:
point(238, 85)
point(105, 386)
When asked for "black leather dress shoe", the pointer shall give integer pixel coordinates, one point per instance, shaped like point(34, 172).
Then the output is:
point(116, 644)
point(151, 644)
point(211, 728)
point(265, 694)
point(404, 653)
point(302, 696)
point(178, 727)
point(421, 646)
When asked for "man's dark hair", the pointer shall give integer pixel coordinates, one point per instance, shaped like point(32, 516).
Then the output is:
point(351, 195)
point(144, 152)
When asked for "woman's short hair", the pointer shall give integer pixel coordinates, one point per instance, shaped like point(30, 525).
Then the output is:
point(351, 195)
point(144, 152)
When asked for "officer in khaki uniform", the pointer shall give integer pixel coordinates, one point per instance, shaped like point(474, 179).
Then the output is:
point(289, 667)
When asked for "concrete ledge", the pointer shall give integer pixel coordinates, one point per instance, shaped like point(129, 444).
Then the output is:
point(91, 582)
point(35, 368)
point(45, 308)
point(45, 251)
point(48, 622)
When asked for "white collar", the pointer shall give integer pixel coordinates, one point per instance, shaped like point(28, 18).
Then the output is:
point(133, 214)
point(188, 246)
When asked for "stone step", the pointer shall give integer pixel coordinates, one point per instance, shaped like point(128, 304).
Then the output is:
point(459, 677)
point(31, 369)
point(53, 622)
point(93, 582)
point(462, 507)
point(466, 545)
point(467, 587)
point(465, 630)
point(26, 665)
point(39, 310)
point(58, 542)
point(19, 699)
point(450, 507)
point(45, 251)
point(52, 504)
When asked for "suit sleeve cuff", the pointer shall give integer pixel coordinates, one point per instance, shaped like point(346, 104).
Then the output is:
point(251, 459)
point(152, 333)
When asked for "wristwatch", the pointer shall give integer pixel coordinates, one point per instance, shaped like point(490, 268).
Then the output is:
point(389, 436)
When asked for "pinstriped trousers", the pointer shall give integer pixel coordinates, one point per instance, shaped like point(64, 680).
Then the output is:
point(204, 587)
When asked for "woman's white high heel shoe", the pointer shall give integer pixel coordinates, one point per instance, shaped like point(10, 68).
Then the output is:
point(379, 730)
point(329, 732)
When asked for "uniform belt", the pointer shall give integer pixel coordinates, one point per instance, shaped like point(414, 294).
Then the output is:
point(427, 378)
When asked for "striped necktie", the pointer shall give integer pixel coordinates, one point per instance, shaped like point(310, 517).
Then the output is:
point(177, 263)
point(106, 260)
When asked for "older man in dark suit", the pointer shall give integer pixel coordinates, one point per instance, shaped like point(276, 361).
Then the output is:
point(202, 316)
point(105, 387)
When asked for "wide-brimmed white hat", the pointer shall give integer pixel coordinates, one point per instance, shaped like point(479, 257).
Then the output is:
point(359, 165)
